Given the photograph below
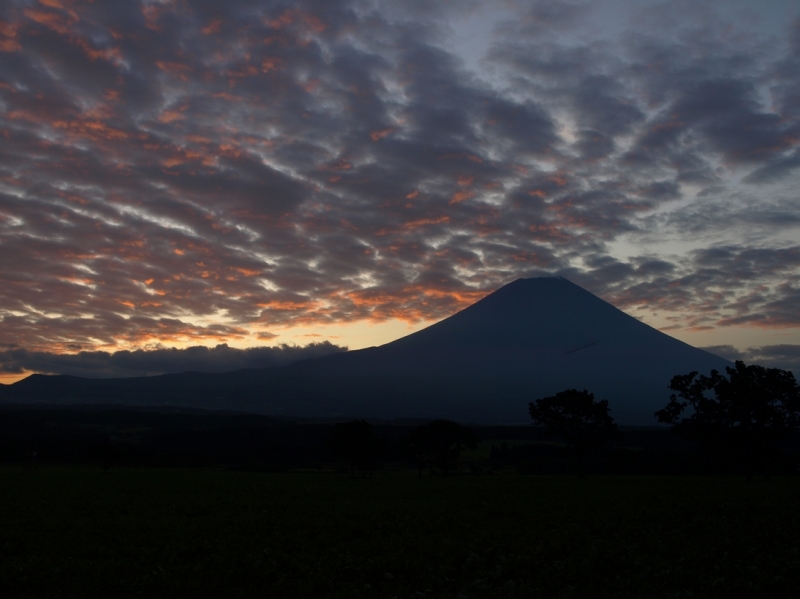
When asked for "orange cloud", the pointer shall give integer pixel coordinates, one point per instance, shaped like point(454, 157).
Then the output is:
point(292, 16)
point(173, 67)
point(376, 135)
point(226, 96)
point(314, 23)
point(247, 71)
point(461, 196)
point(470, 157)
point(286, 18)
point(94, 130)
point(169, 163)
point(152, 13)
point(58, 23)
point(212, 27)
point(76, 280)
point(169, 116)
point(109, 54)
point(98, 112)
point(9, 45)
point(425, 221)
point(230, 150)
point(522, 170)
point(311, 85)
point(271, 64)
point(549, 232)
point(23, 115)
point(341, 165)
point(9, 31)
point(51, 20)
point(300, 306)
point(412, 304)
point(559, 179)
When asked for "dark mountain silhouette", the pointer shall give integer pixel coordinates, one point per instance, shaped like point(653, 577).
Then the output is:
point(531, 338)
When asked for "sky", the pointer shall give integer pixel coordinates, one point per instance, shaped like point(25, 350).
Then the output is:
point(217, 185)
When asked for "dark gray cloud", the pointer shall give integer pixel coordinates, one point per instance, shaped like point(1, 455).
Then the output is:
point(149, 362)
point(204, 172)
point(718, 287)
point(776, 169)
point(784, 356)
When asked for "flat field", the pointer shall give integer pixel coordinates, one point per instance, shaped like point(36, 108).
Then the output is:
point(82, 532)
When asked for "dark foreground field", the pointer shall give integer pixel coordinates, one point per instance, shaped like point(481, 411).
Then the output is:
point(81, 532)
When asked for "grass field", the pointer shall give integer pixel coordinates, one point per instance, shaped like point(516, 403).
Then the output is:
point(80, 532)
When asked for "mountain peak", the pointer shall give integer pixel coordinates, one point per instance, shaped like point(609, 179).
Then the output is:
point(534, 312)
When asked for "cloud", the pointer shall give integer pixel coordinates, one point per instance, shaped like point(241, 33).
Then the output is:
point(726, 351)
point(784, 356)
point(205, 172)
point(148, 362)
point(776, 169)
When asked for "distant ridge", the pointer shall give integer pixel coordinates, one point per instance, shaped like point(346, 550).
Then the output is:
point(530, 338)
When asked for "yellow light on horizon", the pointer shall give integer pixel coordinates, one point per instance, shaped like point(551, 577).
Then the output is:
point(354, 335)
point(10, 379)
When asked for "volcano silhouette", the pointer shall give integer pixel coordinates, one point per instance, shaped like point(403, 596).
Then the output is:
point(529, 339)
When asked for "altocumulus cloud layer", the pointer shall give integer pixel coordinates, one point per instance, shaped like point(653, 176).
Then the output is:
point(205, 172)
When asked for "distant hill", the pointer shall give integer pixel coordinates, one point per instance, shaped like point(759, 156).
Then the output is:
point(531, 338)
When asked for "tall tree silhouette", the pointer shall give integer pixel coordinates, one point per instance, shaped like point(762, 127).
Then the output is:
point(356, 442)
point(574, 415)
point(439, 444)
point(741, 415)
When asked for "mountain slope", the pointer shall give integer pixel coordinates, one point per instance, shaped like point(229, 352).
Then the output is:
point(531, 338)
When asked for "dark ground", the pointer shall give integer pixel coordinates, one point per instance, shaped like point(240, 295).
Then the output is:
point(72, 531)
point(186, 503)
point(108, 437)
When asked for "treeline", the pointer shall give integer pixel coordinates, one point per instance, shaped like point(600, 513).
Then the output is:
point(108, 438)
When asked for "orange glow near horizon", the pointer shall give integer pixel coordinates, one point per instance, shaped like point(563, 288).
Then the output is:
point(366, 333)
point(11, 378)
point(353, 335)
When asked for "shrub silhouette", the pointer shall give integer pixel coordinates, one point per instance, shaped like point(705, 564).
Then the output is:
point(574, 415)
point(752, 408)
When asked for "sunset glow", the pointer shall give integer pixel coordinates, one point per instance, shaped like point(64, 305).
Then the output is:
point(181, 174)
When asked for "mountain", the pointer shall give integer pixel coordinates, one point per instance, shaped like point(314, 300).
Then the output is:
point(529, 339)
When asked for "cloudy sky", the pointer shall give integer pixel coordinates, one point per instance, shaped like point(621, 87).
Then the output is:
point(197, 173)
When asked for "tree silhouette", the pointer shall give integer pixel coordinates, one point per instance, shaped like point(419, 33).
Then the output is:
point(575, 416)
point(439, 444)
point(741, 415)
point(356, 442)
